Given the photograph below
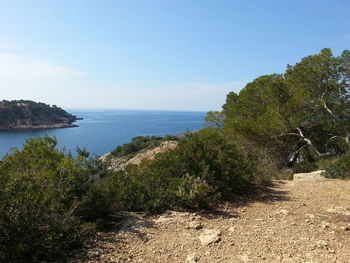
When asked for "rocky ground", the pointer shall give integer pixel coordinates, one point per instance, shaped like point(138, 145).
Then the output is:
point(304, 220)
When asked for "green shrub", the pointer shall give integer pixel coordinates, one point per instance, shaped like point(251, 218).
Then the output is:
point(205, 167)
point(152, 185)
point(194, 192)
point(47, 201)
point(305, 167)
point(340, 168)
point(285, 174)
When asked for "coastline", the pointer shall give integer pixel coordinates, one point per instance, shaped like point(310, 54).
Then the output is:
point(100, 132)
point(39, 127)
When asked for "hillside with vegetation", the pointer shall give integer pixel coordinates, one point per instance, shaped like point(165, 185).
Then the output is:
point(26, 114)
point(140, 148)
point(216, 196)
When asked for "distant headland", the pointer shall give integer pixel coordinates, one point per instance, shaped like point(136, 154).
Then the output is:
point(27, 114)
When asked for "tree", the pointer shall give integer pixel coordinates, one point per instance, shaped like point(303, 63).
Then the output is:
point(320, 92)
point(305, 108)
point(214, 119)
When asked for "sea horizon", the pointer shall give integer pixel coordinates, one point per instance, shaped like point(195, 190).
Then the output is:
point(69, 109)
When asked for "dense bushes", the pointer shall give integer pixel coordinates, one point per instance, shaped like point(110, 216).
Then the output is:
point(340, 168)
point(48, 200)
point(51, 201)
point(205, 167)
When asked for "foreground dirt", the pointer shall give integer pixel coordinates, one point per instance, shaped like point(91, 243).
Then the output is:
point(305, 220)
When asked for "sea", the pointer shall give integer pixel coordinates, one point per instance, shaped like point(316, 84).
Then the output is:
point(101, 131)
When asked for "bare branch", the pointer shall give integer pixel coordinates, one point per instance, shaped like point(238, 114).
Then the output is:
point(324, 94)
point(295, 154)
point(335, 117)
point(347, 138)
point(335, 137)
point(311, 145)
point(300, 133)
point(288, 134)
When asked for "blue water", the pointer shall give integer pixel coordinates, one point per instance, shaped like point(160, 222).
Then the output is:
point(101, 131)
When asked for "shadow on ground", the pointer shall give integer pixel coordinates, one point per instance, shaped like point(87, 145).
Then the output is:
point(267, 194)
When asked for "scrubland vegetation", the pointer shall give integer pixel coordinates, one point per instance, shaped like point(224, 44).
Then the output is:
point(50, 201)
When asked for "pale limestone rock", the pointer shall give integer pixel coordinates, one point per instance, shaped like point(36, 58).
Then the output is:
point(283, 212)
point(209, 236)
point(192, 259)
point(339, 210)
point(231, 229)
point(317, 175)
point(195, 225)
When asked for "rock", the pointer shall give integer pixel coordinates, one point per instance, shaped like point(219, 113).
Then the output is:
point(166, 217)
point(311, 216)
point(283, 212)
point(325, 225)
point(134, 223)
point(210, 236)
point(245, 258)
point(192, 259)
point(317, 175)
point(194, 225)
point(345, 228)
point(321, 244)
point(26, 114)
point(119, 163)
point(339, 210)
point(150, 154)
point(94, 254)
point(165, 220)
point(231, 229)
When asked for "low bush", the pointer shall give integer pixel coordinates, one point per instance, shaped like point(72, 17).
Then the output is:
point(305, 167)
point(339, 168)
point(285, 174)
point(49, 201)
point(205, 167)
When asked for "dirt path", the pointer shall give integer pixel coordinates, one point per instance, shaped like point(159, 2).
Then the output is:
point(305, 220)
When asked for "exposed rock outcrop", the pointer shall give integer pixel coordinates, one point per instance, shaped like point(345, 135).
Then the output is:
point(316, 175)
point(119, 163)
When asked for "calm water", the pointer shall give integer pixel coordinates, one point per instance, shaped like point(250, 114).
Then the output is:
point(101, 131)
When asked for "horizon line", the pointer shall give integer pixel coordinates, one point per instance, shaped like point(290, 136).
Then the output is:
point(131, 109)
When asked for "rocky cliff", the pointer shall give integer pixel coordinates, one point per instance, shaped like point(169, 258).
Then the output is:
point(119, 163)
point(26, 114)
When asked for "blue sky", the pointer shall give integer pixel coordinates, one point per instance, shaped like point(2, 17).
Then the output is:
point(176, 55)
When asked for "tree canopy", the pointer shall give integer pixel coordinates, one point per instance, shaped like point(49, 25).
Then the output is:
point(305, 109)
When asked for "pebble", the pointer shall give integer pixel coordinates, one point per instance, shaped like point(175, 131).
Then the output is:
point(192, 259)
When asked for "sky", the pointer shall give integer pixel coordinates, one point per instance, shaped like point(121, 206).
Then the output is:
point(157, 54)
